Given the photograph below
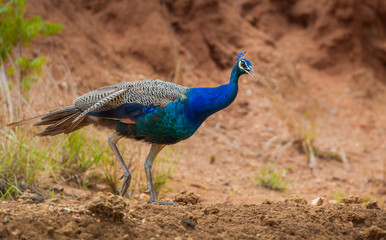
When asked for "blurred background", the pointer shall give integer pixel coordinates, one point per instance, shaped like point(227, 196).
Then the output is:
point(312, 121)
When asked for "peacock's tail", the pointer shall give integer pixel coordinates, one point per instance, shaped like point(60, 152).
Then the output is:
point(58, 121)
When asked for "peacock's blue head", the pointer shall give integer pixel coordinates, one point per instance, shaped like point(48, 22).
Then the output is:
point(244, 66)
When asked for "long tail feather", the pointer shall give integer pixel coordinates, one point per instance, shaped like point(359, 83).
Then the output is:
point(24, 121)
point(58, 121)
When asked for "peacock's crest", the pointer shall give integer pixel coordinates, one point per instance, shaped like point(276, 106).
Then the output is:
point(240, 55)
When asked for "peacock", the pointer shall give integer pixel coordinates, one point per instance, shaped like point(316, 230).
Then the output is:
point(157, 112)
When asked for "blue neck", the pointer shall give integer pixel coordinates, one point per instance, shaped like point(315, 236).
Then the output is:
point(203, 102)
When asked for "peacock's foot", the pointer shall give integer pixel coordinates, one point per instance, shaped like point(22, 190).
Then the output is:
point(162, 203)
point(126, 182)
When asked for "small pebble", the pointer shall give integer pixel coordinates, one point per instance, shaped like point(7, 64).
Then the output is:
point(333, 111)
point(317, 201)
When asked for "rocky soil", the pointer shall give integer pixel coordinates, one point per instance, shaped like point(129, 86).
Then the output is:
point(109, 216)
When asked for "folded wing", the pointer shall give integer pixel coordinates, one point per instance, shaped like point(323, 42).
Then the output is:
point(127, 101)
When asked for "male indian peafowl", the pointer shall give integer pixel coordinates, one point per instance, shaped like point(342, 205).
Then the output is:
point(157, 112)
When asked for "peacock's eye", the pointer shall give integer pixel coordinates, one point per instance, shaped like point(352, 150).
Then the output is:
point(243, 64)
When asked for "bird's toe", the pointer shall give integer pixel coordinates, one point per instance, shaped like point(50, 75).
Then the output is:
point(125, 185)
point(162, 203)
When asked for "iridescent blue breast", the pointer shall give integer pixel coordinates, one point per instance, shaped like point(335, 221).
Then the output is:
point(167, 125)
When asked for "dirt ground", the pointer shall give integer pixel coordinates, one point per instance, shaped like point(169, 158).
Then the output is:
point(108, 216)
point(320, 70)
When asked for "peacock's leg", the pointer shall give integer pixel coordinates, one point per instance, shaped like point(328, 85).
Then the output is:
point(154, 150)
point(113, 139)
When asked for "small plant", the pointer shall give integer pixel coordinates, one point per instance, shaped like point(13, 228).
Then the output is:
point(304, 132)
point(272, 179)
point(54, 195)
point(368, 198)
point(338, 196)
point(80, 155)
point(11, 191)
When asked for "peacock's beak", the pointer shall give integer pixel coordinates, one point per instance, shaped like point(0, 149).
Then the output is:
point(250, 71)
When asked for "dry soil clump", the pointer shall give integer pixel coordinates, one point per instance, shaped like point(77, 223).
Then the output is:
point(108, 206)
point(186, 197)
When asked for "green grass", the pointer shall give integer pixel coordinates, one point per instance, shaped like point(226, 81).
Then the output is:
point(338, 196)
point(367, 198)
point(28, 161)
point(8, 193)
point(80, 155)
point(23, 162)
point(272, 179)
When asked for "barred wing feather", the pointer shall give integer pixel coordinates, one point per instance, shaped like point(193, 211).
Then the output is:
point(147, 93)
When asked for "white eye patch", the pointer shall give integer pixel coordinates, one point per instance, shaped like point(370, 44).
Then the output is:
point(242, 64)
